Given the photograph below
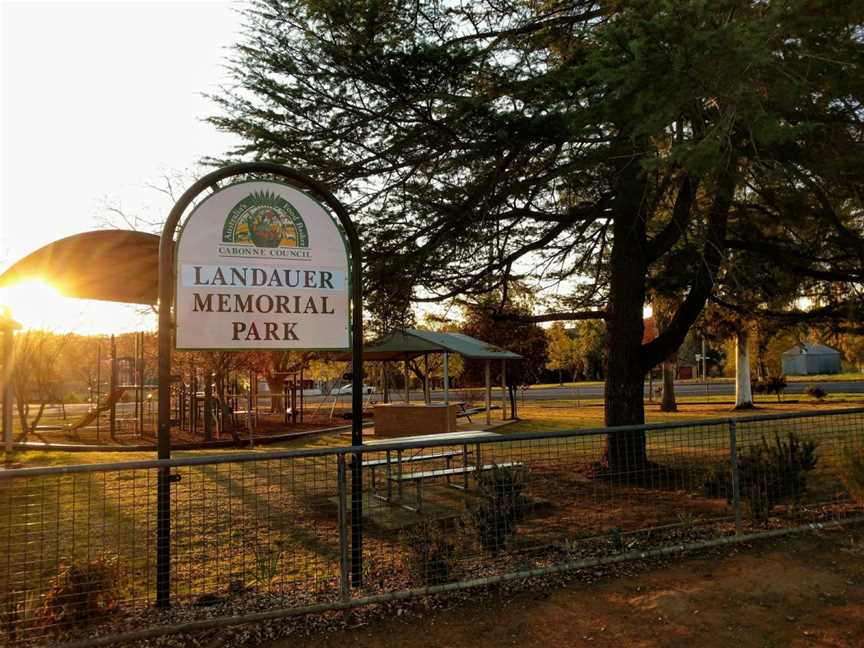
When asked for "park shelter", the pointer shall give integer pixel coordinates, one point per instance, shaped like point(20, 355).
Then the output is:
point(108, 265)
point(407, 344)
point(806, 359)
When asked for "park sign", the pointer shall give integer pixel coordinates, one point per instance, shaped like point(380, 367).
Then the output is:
point(261, 265)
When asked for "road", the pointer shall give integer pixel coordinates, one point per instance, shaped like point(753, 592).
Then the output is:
point(682, 388)
point(584, 391)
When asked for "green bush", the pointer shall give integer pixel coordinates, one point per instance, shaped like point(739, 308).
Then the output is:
point(852, 474)
point(500, 506)
point(772, 473)
point(80, 593)
point(267, 558)
point(430, 554)
point(768, 474)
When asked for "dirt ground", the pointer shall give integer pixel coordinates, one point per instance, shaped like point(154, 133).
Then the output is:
point(799, 591)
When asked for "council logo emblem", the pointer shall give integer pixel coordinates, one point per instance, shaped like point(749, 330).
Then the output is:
point(265, 220)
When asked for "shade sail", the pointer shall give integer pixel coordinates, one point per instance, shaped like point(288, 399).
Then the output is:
point(110, 265)
point(411, 343)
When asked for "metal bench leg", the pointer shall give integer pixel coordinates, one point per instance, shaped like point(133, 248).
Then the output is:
point(465, 464)
point(389, 473)
point(447, 465)
point(399, 474)
point(419, 494)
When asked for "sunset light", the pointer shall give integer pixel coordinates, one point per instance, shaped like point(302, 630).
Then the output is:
point(37, 304)
point(539, 322)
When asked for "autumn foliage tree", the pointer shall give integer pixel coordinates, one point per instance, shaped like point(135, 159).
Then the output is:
point(483, 142)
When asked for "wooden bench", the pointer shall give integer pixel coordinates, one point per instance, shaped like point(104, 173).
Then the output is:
point(387, 462)
point(464, 439)
point(468, 412)
point(419, 477)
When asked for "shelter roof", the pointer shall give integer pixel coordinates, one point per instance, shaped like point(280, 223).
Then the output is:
point(411, 343)
point(111, 265)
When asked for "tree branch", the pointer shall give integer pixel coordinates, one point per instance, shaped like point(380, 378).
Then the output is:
point(674, 229)
point(554, 317)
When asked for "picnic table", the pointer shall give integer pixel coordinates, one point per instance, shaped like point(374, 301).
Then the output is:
point(415, 455)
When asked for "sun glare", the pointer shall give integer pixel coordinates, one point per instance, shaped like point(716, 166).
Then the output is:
point(31, 302)
point(37, 304)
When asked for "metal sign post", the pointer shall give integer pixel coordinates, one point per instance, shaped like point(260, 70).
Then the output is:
point(262, 229)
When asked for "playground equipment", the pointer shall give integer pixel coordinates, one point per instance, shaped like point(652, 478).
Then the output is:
point(338, 393)
point(125, 374)
point(208, 405)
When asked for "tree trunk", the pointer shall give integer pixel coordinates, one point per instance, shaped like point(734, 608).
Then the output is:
point(23, 414)
point(625, 377)
point(743, 393)
point(277, 400)
point(668, 403)
point(38, 416)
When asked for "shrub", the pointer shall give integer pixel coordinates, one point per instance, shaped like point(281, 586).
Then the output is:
point(500, 506)
point(852, 474)
point(80, 593)
point(14, 613)
point(767, 474)
point(267, 559)
point(771, 473)
point(816, 391)
point(717, 481)
point(430, 553)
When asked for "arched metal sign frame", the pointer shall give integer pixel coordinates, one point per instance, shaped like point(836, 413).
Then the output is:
point(166, 327)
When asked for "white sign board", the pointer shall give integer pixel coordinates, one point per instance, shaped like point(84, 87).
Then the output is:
point(261, 265)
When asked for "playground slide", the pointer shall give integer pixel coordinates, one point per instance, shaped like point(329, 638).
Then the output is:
point(90, 417)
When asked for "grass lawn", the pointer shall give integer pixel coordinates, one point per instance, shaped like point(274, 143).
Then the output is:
point(816, 378)
point(536, 416)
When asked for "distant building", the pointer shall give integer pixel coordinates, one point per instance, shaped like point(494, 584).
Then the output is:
point(805, 359)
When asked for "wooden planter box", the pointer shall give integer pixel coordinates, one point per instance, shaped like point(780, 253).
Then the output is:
point(394, 420)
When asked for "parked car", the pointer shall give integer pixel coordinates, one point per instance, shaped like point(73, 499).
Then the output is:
point(346, 389)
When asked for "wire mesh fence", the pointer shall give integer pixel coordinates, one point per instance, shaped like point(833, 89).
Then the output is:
point(272, 532)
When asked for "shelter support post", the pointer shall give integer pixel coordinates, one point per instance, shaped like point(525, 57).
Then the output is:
point(208, 408)
point(98, 386)
point(488, 392)
point(504, 390)
point(447, 388)
point(407, 388)
point(141, 385)
point(112, 418)
point(7, 388)
point(133, 379)
point(427, 390)
point(193, 401)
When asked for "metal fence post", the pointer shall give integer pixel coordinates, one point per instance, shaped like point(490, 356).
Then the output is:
point(342, 496)
point(357, 520)
point(736, 486)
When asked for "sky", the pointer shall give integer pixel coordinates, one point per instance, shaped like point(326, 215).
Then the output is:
point(99, 101)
